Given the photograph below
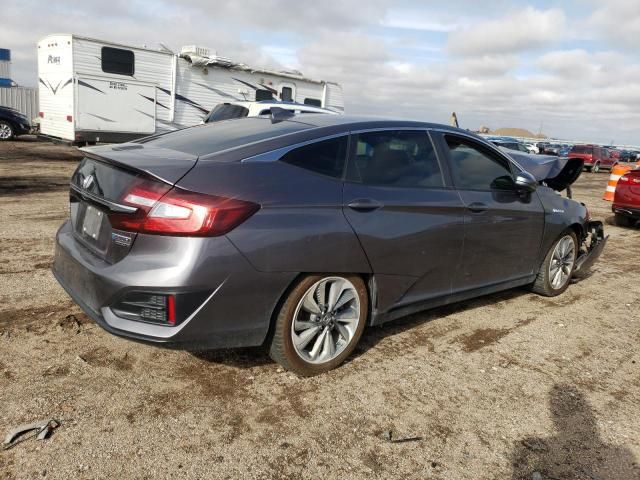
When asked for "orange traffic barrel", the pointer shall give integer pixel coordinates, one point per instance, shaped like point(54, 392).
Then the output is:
point(616, 173)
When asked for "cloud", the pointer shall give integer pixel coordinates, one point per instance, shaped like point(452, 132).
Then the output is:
point(523, 30)
point(490, 63)
point(617, 22)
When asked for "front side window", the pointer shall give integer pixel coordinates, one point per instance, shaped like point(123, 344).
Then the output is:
point(395, 158)
point(118, 61)
point(475, 169)
point(326, 157)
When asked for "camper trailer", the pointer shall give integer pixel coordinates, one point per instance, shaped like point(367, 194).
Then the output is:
point(99, 91)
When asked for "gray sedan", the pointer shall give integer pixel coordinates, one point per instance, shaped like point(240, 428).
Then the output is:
point(296, 233)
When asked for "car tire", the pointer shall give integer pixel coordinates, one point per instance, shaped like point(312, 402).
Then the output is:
point(308, 328)
point(624, 221)
point(595, 168)
point(561, 261)
point(6, 131)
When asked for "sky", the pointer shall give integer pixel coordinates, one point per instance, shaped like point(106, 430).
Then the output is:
point(570, 69)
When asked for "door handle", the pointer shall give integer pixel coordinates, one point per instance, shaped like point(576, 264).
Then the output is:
point(364, 205)
point(477, 207)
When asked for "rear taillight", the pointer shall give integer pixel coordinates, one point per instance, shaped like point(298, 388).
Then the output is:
point(69, 118)
point(41, 114)
point(180, 212)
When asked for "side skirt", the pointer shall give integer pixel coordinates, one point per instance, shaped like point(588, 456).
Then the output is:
point(378, 318)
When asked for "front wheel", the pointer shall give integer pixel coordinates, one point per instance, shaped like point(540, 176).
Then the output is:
point(596, 168)
point(556, 270)
point(320, 323)
point(6, 131)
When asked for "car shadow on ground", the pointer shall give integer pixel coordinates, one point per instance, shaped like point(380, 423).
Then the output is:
point(258, 356)
point(576, 450)
point(374, 335)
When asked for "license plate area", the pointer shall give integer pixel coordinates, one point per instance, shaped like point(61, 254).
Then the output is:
point(92, 223)
point(92, 227)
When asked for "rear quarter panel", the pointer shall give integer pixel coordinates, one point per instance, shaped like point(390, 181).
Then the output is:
point(300, 226)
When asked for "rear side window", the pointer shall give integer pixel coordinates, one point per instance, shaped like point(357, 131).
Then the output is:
point(475, 169)
point(313, 101)
point(326, 157)
point(395, 158)
point(582, 149)
point(118, 61)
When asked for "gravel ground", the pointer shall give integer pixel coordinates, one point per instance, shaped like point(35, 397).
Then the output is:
point(499, 387)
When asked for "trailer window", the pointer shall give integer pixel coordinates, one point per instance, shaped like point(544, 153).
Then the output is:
point(287, 94)
point(118, 61)
point(263, 95)
point(313, 101)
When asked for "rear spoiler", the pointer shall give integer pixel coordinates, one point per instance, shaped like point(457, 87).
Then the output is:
point(164, 164)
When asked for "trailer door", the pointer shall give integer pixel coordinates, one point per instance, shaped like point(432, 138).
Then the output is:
point(110, 105)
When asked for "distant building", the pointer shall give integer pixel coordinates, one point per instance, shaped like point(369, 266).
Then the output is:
point(23, 99)
point(5, 67)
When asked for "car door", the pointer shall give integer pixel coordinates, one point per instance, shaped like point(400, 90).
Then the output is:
point(408, 218)
point(503, 227)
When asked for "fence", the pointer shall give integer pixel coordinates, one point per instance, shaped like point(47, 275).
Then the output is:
point(22, 99)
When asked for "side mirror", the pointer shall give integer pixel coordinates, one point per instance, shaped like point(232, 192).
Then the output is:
point(525, 182)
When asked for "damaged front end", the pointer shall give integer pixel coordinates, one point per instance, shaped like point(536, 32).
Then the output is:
point(590, 249)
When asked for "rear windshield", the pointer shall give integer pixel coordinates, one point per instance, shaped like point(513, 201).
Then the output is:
point(582, 149)
point(218, 136)
point(225, 111)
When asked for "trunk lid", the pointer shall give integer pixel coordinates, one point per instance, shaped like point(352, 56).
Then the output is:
point(103, 180)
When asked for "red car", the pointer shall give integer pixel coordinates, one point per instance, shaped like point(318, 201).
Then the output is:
point(626, 203)
point(595, 158)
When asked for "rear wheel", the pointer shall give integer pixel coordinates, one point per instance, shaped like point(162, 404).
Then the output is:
point(624, 221)
point(320, 323)
point(596, 168)
point(6, 131)
point(556, 270)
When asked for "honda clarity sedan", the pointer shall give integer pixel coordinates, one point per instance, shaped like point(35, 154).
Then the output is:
point(297, 233)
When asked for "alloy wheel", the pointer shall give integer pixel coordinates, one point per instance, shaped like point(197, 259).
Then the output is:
point(562, 261)
point(325, 320)
point(5, 131)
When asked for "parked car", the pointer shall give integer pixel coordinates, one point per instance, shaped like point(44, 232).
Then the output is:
point(12, 123)
point(595, 158)
point(564, 150)
point(297, 234)
point(541, 147)
point(532, 147)
point(626, 203)
point(552, 149)
point(510, 145)
point(228, 111)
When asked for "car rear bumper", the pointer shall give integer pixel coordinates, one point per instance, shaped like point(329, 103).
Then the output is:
point(591, 248)
point(235, 312)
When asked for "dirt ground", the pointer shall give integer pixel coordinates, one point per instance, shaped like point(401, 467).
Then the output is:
point(508, 386)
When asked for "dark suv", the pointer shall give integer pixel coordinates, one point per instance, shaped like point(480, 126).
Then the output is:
point(595, 158)
point(12, 123)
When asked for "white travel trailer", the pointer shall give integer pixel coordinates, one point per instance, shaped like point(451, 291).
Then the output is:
point(99, 91)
